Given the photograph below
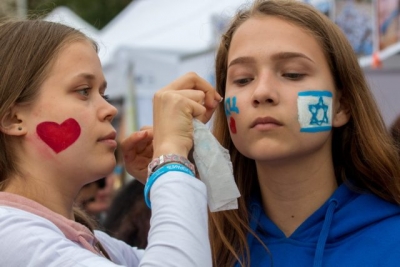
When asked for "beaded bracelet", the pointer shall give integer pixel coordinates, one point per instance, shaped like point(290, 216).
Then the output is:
point(162, 170)
point(169, 158)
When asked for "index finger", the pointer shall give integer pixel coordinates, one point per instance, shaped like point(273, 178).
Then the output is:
point(193, 81)
point(137, 141)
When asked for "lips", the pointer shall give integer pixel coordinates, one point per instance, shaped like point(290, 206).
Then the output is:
point(110, 136)
point(265, 120)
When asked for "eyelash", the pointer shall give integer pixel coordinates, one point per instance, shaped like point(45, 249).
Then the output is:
point(86, 90)
point(290, 76)
point(243, 81)
point(293, 76)
point(105, 97)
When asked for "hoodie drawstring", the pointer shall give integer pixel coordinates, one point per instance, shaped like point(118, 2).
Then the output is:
point(323, 236)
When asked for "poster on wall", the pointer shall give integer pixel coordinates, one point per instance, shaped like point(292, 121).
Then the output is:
point(388, 22)
point(356, 19)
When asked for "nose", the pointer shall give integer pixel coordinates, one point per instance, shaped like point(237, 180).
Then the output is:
point(266, 90)
point(108, 112)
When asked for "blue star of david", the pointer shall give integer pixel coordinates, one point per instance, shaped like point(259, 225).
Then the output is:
point(314, 111)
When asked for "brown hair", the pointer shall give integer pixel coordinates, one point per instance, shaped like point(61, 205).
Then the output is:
point(27, 51)
point(395, 133)
point(363, 152)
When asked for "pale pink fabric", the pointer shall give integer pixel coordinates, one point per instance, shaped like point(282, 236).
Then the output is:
point(72, 230)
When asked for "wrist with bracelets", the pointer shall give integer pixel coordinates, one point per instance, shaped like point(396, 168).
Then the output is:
point(162, 165)
point(169, 158)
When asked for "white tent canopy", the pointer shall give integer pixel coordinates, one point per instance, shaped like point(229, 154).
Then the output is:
point(174, 25)
point(66, 16)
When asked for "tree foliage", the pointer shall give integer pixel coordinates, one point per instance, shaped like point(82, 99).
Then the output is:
point(96, 12)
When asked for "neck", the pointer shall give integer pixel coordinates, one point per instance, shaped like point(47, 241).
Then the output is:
point(291, 193)
point(44, 193)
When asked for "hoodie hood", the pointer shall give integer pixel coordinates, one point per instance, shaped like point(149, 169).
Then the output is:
point(345, 215)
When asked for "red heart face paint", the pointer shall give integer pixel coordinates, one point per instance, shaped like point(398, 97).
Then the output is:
point(59, 136)
point(232, 125)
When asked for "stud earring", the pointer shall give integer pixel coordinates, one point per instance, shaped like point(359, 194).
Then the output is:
point(19, 128)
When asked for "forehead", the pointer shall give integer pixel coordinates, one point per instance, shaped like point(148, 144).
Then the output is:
point(73, 58)
point(75, 50)
point(270, 35)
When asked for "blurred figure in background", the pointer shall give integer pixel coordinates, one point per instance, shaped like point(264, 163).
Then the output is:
point(88, 193)
point(128, 217)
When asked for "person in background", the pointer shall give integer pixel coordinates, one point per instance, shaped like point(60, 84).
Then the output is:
point(128, 218)
point(88, 195)
point(56, 136)
point(318, 173)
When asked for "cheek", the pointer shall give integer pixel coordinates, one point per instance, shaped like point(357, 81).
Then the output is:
point(314, 111)
point(40, 148)
point(231, 111)
point(59, 136)
point(232, 125)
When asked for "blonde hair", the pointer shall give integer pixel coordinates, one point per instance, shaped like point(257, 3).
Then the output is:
point(363, 152)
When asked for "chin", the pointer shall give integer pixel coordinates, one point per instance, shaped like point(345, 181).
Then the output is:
point(106, 168)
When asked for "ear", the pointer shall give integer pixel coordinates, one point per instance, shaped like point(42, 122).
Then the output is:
point(341, 112)
point(11, 124)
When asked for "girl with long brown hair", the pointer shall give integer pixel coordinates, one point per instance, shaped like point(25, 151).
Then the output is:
point(56, 136)
point(318, 173)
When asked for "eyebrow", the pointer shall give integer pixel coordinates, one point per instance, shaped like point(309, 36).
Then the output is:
point(289, 55)
point(275, 57)
point(89, 76)
point(241, 60)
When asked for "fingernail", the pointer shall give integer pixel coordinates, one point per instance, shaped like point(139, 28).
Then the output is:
point(215, 103)
point(141, 133)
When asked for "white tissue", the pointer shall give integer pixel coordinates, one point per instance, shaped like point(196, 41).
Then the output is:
point(215, 169)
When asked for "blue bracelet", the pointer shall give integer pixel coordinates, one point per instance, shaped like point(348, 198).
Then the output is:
point(162, 170)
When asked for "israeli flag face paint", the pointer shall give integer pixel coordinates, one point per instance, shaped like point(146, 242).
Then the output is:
point(315, 111)
point(230, 107)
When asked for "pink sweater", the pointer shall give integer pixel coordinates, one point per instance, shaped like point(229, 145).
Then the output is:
point(72, 230)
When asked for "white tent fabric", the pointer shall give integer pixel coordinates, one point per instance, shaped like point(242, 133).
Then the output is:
point(182, 26)
point(135, 75)
point(66, 16)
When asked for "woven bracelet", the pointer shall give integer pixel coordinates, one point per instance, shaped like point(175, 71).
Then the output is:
point(178, 167)
point(156, 163)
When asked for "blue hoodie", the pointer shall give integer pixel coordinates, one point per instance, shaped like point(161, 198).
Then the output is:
point(349, 230)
